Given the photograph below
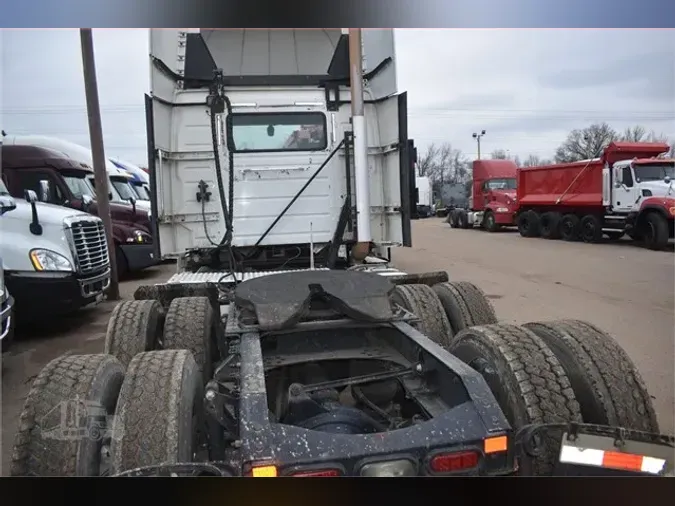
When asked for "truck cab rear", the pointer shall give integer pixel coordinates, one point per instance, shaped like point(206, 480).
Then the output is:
point(301, 356)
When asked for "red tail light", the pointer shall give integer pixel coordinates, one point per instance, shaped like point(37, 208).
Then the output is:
point(317, 473)
point(452, 462)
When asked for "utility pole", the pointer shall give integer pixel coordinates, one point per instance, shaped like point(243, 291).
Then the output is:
point(477, 137)
point(364, 238)
point(97, 152)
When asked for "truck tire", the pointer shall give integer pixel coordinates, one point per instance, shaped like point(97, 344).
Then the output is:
point(91, 379)
point(191, 324)
point(655, 231)
point(134, 327)
point(465, 304)
point(159, 411)
point(490, 223)
point(453, 219)
point(528, 224)
point(528, 383)
point(591, 228)
point(550, 225)
point(462, 219)
point(606, 383)
point(569, 227)
point(422, 301)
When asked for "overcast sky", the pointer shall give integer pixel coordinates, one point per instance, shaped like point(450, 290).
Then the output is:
point(526, 88)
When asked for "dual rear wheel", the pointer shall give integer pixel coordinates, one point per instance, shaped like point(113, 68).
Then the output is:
point(539, 373)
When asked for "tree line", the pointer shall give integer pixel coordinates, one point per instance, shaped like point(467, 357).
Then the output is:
point(443, 163)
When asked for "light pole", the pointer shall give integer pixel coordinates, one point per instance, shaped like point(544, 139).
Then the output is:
point(477, 137)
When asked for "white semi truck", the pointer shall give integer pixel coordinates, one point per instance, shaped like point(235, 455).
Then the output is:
point(287, 345)
point(54, 259)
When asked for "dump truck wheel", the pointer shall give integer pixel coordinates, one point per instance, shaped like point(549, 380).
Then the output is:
point(452, 219)
point(159, 411)
point(550, 225)
point(528, 383)
point(490, 223)
point(607, 384)
point(654, 231)
point(569, 227)
point(528, 224)
point(465, 304)
point(422, 301)
point(462, 219)
point(134, 327)
point(84, 387)
point(591, 228)
point(191, 324)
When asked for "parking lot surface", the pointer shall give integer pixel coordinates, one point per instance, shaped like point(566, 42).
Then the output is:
point(623, 289)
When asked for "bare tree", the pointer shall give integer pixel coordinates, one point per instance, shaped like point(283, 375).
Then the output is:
point(516, 160)
point(499, 154)
point(532, 161)
point(582, 144)
point(425, 162)
point(634, 134)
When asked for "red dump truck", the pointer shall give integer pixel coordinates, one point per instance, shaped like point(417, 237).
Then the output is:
point(492, 203)
point(628, 190)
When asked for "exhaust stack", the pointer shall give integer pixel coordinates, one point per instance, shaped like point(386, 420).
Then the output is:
point(361, 249)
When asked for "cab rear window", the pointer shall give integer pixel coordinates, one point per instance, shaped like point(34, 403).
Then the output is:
point(266, 132)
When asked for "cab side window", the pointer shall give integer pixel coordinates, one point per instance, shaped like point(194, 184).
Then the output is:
point(30, 180)
point(627, 177)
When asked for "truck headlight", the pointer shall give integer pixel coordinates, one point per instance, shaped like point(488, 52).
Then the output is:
point(139, 237)
point(46, 260)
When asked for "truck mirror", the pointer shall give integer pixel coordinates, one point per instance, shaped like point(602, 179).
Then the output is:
point(44, 190)
point(30, 196)
point(618, 184)
point(666, 179)
point(86, 202)
point(110, 196)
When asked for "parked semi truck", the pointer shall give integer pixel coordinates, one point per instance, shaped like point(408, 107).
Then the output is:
point(425, 203)
point(140, 181)
point(119, 180)
point(55, 260)
point(68, 184)
point(492, 202)
point(287, 345)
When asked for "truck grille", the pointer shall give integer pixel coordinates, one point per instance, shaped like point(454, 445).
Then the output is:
point(90, 246)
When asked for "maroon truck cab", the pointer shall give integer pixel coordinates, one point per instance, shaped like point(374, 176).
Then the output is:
point(23, 167)
point(494, 189)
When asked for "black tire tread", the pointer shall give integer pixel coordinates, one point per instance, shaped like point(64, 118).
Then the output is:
point(133, 328)
point(145, 431)
point(660, 240)
point(617, 386)
point(188, 325)
point(423, 302)
point(534, 381)
point(469, 301)
point(64, 379)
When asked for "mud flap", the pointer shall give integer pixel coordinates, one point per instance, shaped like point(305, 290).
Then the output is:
point(599, 450)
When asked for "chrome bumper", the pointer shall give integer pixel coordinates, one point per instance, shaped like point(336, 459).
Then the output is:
point(95, 285)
